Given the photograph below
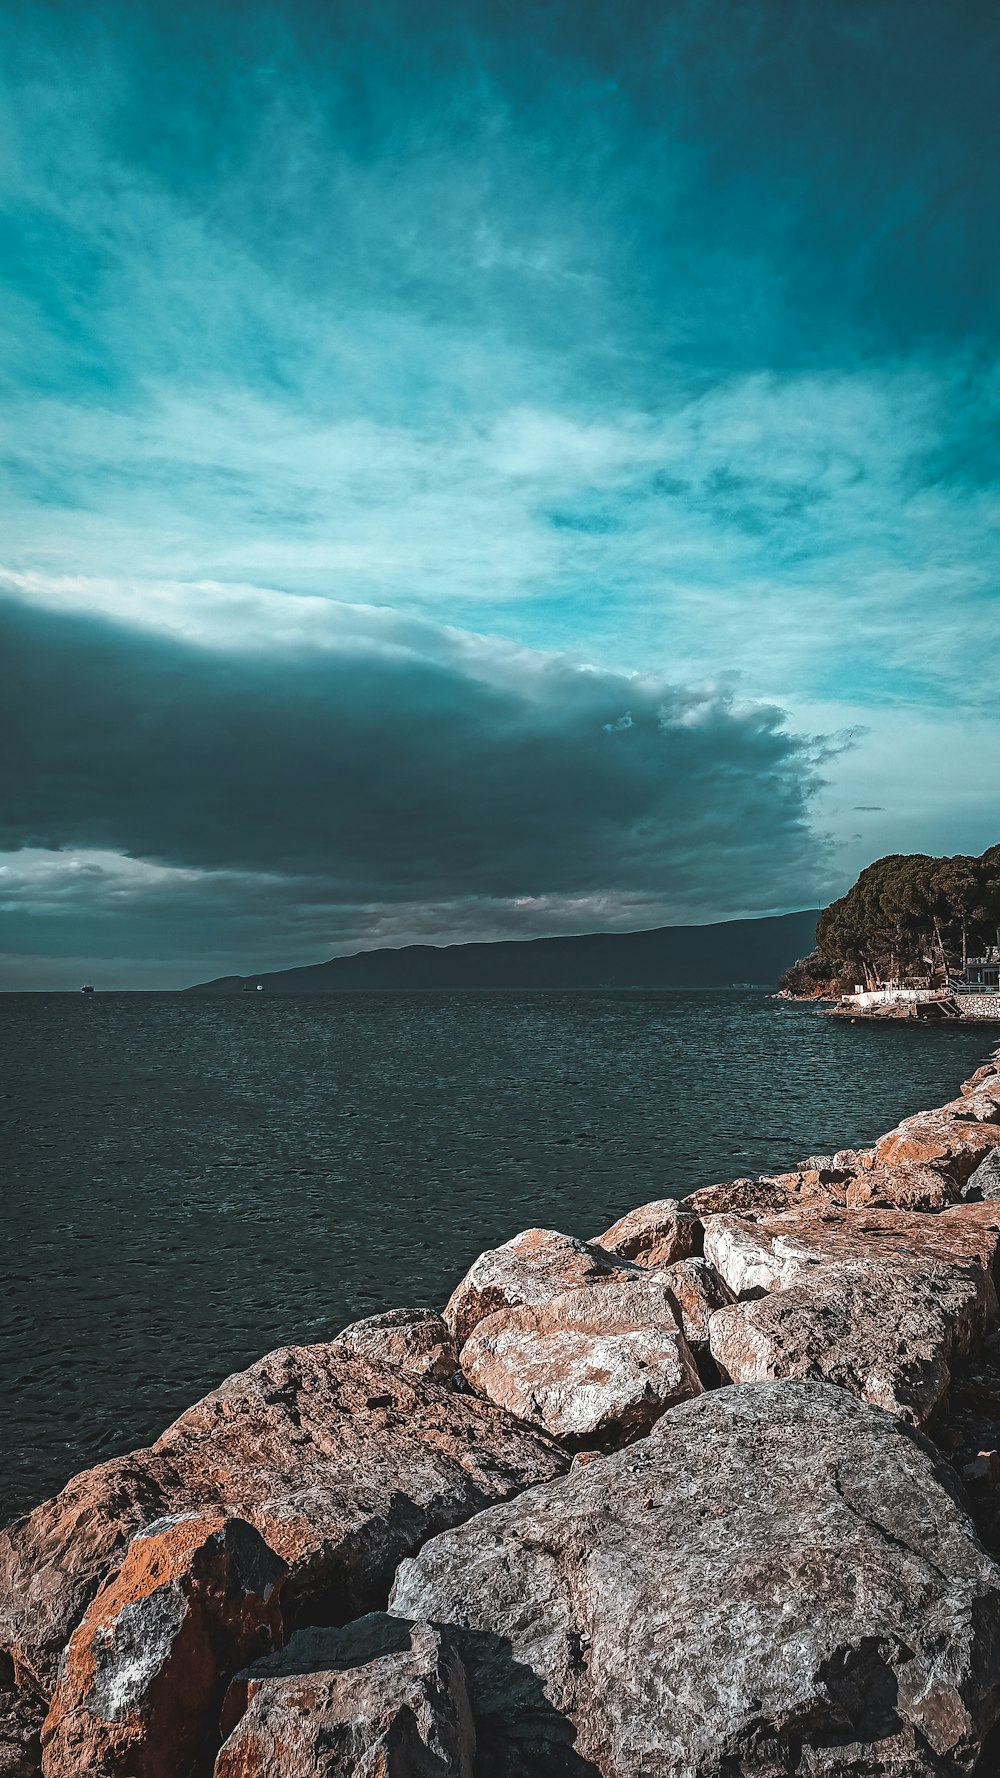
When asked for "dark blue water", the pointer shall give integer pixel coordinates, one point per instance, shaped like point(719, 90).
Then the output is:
point(188, 1183)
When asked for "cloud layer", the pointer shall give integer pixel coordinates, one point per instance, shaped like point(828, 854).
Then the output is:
point(374, 773)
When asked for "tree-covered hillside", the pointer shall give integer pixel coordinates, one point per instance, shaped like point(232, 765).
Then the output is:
point(909, 917)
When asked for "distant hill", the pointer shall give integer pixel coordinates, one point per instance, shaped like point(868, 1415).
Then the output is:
point(719, 956)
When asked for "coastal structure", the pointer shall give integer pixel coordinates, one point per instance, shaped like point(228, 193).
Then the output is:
point(975, 995)
point(715, 1490)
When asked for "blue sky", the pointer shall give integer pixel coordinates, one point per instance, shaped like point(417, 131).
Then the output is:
point(585, 416)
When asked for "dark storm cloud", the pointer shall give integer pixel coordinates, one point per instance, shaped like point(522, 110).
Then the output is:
point(394, 777)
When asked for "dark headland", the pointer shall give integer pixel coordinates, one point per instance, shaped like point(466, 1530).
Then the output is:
point(716, 956)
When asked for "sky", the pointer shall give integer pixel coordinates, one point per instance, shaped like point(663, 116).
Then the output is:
point(487, 470)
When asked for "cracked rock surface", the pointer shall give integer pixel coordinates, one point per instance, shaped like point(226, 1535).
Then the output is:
point(343, 1466)
point(780, 1579)
point(380, 1698)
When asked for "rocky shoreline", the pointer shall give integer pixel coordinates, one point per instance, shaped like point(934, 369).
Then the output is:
point(714, 1493)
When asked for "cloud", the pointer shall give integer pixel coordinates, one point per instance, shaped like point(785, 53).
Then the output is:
point(494, 789)
point(373, 371)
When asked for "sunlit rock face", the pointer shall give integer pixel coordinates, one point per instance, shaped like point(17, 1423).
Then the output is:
point(595, 1366)
point(529, 1270)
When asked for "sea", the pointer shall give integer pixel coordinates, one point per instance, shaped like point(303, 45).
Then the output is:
point(189, 1183)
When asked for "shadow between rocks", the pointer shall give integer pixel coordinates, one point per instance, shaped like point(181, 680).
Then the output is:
point(519, 1732)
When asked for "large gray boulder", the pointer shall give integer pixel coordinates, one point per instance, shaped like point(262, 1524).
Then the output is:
point(779, 1580)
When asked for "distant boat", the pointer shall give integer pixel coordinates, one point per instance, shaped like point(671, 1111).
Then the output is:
point(87, 988)
point(253, 987)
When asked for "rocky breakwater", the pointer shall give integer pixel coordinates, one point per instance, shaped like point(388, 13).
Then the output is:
point(711, 1494)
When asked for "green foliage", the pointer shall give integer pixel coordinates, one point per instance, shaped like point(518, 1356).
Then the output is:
point(811, 976)
point(910, 916)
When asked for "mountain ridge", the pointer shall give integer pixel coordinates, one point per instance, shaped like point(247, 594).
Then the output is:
point(713, 956)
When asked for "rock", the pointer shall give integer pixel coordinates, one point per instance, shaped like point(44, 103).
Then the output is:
point(910, 1186)
point(886, 1334)
point(697, 1291)
point(415, 1340)
point(742, 1195)
point(21, 1716)
point(953, 1145)
point(654, 1235)
point(342, 1465)
point(144, 1673)
point(989, 1074)
point(778, 1580)
point(772, 1252)
point(527, 1271)
point(881, 1302)
point(981, 1103)
point(825, 1176)
point(380, 1698)
point(594, 1367)
point(985, 1181)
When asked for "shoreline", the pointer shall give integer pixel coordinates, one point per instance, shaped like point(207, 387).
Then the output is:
point(342, 1523)
point(966, 1009)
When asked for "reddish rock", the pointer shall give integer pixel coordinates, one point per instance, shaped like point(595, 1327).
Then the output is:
point(145, 1671)
point(697, 1291)
point(380, 1698)
point(881, 1302)
point(910, 1186)
point(772, 1252)
point(342, 1465)
point(952, 1145)
point(742, 1195)
point(414, 1340)
point(654, 1235)
point(594, 1367)
point(529, 1270)
point(988, 1074)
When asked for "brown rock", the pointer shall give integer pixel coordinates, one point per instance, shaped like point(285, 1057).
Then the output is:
point(145, 1671)
point(778, 1580)
point(415, 1340)
point(697, 1291)
point(910, 1186)
point(887, 1334)
point(594, 1367)
point(529, 1270)
point(772, 1252)
point(654, 1235)
point(380, 1698)
point(952, 1145)
point(989, 1072)
point(342, 1465)
point(742, 1195)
